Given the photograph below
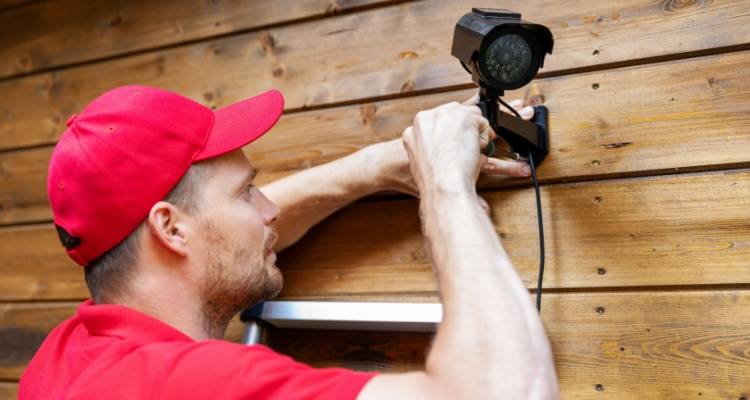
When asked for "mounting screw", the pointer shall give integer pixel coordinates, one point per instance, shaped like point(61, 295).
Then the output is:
point(599, 387)
point(599, 310)
point(601, 271)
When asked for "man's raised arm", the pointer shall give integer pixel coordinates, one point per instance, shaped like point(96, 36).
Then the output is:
point(307, 197)
point(491, 343)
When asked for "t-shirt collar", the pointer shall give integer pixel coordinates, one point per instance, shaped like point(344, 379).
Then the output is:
point(127, 323)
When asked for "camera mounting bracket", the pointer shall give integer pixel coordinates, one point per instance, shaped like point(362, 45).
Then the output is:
point(523, 136)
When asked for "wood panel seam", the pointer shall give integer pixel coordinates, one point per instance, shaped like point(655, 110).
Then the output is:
point(710, 169)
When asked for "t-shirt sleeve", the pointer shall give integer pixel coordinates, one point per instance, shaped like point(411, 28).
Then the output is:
point(224, 370)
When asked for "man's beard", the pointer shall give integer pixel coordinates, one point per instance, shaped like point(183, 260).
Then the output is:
point(235, 280)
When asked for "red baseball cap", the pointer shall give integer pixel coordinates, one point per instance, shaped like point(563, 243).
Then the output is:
point(128, 148)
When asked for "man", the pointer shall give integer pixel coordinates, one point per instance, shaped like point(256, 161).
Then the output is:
point(153, 196)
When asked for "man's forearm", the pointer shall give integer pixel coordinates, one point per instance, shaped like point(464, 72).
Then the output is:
point(307, 197)
point(491, 334)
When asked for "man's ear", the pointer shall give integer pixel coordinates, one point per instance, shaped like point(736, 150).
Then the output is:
point(169, 226)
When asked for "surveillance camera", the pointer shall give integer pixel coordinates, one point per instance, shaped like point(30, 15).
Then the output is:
point(500, 50)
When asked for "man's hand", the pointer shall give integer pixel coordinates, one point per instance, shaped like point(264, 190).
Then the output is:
point(392, 160)
point(444, 147)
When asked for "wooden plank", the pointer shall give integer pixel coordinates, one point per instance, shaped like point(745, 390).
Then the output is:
point(23, 328)
point(8, 390)
point(670, 230)
point(649, 345)
point(679, 230)
point(660, 345)
point(690, 113)
point(23, 186)
point(677, 121)
point(54, 33)
point(36, 267)
point(388, 51)
point(5, 5)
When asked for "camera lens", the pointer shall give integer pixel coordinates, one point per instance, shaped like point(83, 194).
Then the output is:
point(508, 58)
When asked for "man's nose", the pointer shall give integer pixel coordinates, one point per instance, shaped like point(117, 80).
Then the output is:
point(270, 210)
point(273, 213)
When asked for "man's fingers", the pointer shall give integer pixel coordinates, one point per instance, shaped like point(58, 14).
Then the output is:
point(454, 105)
point(526, 112)
point(517, 103)
point(473, 110)
point(486, 133)
point(482, 162)
point(496, 166)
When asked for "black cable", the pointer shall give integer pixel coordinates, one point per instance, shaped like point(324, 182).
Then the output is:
point(541, 234)
point(538, 215)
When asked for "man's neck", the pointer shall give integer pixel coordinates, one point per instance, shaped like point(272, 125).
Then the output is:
point(186, 321)
point(180, 311)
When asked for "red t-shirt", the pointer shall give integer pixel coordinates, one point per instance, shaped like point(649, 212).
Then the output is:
point(115, 352)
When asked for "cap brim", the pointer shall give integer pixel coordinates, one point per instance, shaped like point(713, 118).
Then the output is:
point(240, 123)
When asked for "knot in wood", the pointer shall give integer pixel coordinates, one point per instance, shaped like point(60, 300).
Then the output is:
point(677, 5)
point(367, 112)
point(268, 42)
point(278, 71)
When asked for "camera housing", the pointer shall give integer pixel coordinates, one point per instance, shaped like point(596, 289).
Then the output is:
point(503, 52)
point(499, 49)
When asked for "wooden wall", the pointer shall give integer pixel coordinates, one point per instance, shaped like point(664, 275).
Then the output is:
point(646, 191)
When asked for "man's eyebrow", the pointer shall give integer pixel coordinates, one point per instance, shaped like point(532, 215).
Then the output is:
point(248, 178)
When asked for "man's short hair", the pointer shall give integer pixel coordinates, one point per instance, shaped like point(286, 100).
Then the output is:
point(108, 276)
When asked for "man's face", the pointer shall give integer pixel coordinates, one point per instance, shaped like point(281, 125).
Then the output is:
point(235, 236)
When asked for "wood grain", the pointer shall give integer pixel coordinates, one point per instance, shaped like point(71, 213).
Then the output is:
point(681, 230)
point(693, 114)
point(388, 51)
point(35, 266)
point(659, 231)
point(658, 345)
point(23, 327)
point(23, 186)
point(55, 33)
point(648, 275)
point(8, 390)
point(6, 5)
point(666, 116)
point(646, 345)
